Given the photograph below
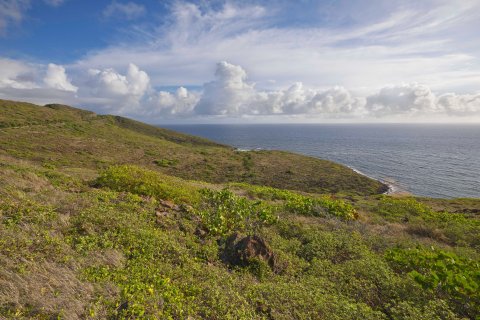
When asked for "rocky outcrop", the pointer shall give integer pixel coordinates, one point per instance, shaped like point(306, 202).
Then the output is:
point(243, 250)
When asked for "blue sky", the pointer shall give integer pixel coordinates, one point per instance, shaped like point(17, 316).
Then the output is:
point(246, 61)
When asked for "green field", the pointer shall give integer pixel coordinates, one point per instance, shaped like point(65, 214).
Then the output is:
point(103, 217)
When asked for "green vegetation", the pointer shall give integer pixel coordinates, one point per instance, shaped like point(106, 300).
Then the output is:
point(146, 182)
point(165, 162)
point(223, 213)
point(92, 228)
point(66, 137)
point(443, 273)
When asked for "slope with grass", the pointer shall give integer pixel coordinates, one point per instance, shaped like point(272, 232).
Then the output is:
point(67, 138)
point(97, 221)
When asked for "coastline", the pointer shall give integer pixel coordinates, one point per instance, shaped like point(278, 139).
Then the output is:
point(392, 188)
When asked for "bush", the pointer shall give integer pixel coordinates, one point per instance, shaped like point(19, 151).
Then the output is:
point(223, 212)
point(320, 207)
point(394, 209)
point(443, 273)
point(452, 228)
point(300, 204)
point(24, 211)
point(264, 192)
point(146, 182)
point(165, 162)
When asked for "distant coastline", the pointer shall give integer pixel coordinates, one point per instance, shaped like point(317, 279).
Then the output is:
point(390, 187)
point(439, 161)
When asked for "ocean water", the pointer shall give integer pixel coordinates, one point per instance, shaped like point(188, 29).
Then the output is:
point(424, 159)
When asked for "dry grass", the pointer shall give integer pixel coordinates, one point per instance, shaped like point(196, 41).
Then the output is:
point(43, 289)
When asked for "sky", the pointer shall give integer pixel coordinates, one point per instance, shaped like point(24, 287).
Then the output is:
point(246, 61)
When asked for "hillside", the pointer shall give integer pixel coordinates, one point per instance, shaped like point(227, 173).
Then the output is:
point(71, 138)
point(103, 217)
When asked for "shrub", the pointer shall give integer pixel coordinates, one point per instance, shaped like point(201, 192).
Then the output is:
point(394, 208)
point(442, 273)
point(142, 181)
point(452, 228)
point(300, 204)
point(264, 192)
point(320, 207)
point(165, 162)
point(24, 211)
point(223, 212)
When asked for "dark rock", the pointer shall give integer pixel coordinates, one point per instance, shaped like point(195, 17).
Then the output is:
point(241, 251)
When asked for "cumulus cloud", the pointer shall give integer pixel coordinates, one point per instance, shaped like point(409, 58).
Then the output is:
point(35, 83)
point(56, 78)
point(460, 105)
point(17, 74)
point(110, 90)
point(404, 99)
point(232, 95)
point(128, 10)
point(229, 95)
point(180, 103)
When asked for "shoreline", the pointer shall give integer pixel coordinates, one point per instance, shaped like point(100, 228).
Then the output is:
point(392, 189)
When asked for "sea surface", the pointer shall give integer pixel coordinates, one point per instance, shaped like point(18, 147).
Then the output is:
point(424, 159)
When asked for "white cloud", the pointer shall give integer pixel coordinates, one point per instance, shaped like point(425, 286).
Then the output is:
point(35, 83)
point(128, 10)
point(110, 90)
point(56, 78)
point(404, 99)
point(460, 105)
point(408, 43)
point(163, 103)
point(17, 74)
point(230, 95)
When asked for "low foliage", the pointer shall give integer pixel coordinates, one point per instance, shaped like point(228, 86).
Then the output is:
point(146, 182)
point(443, 273)
point(401, 208)
point(320, 207)
point(421, 220)
point(223, 212)
point(165, 162)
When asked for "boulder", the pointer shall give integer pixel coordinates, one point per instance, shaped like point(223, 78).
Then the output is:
point(243, 250)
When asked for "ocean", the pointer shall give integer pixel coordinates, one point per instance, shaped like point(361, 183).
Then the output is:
point(434, 160)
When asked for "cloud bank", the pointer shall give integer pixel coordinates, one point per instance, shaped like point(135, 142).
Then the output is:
point(229, 95)
point(359, 45)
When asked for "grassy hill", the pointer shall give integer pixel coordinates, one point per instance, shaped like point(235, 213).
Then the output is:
point(71, 138)
point(103, 217)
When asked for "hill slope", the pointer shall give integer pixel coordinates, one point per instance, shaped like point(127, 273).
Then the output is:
point(96, 222)
point(69, 137)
